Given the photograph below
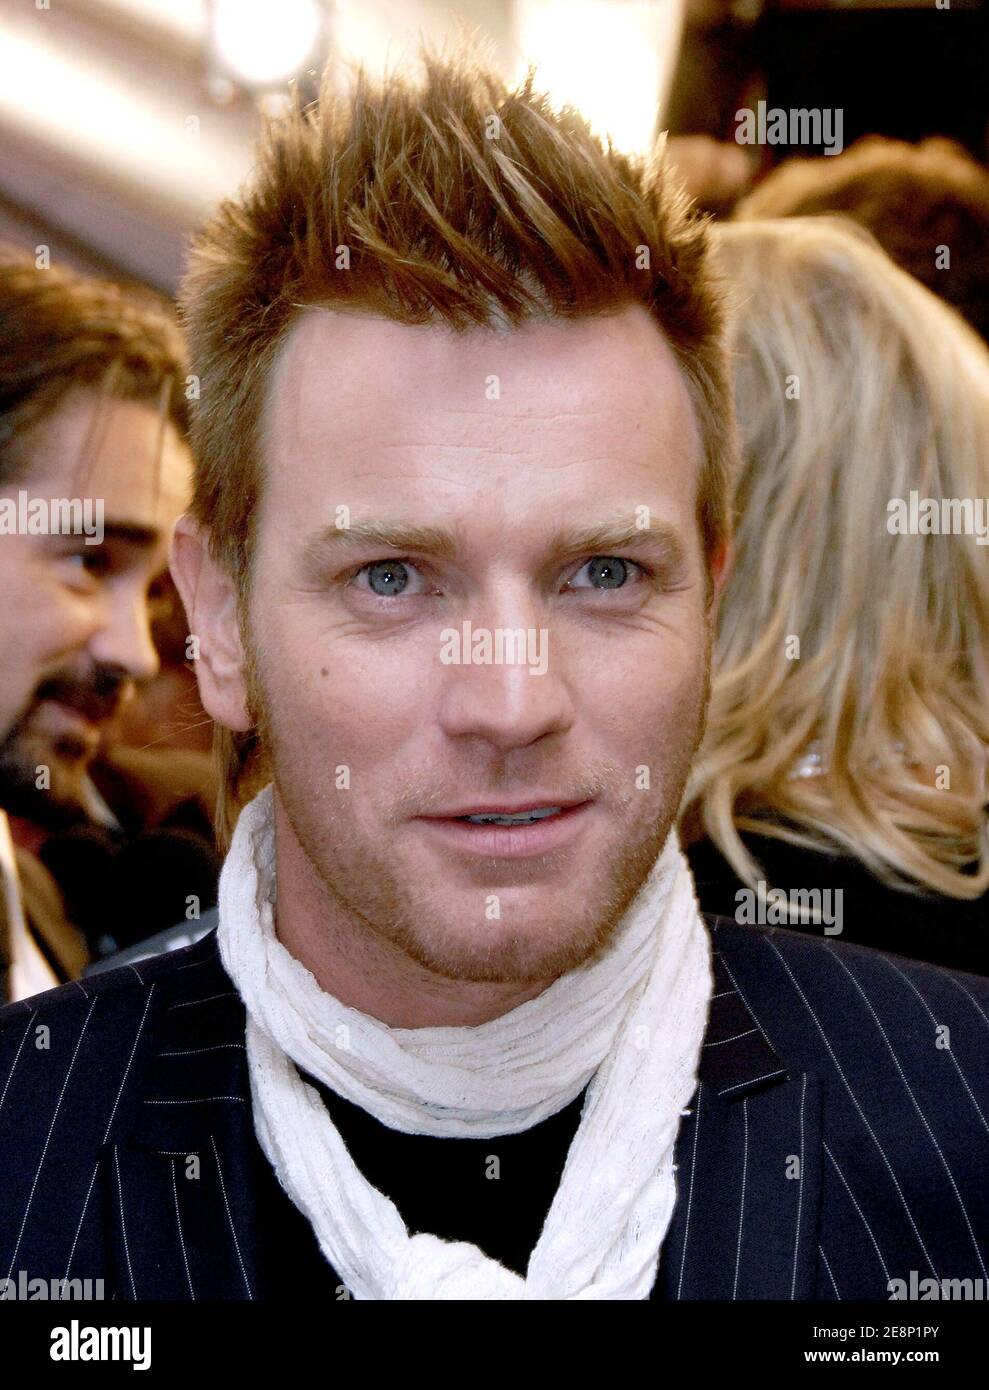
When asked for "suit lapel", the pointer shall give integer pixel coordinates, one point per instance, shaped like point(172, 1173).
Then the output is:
point(748, 1168)
point(182, 1167)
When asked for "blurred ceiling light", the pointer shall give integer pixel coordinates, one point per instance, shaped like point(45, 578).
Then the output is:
point(260, 43)
point(611, 59)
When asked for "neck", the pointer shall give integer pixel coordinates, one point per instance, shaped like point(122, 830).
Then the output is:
point(354, 963)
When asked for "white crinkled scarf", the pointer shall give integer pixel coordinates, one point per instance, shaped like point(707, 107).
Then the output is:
point(632, 1019)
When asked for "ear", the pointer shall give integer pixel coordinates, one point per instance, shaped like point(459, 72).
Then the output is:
point(210, 600)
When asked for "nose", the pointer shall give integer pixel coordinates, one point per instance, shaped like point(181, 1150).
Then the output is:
point(503, 684)
point(123, 638)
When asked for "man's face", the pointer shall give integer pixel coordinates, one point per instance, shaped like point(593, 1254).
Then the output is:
point(541, 480)
point(74, 633)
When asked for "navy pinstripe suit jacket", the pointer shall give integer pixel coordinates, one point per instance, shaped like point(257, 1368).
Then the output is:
point(838, 1138)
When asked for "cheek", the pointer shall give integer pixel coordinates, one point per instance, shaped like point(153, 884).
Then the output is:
point(38, 614)
point(643, 689)
point(64, 619)
point(362, 706)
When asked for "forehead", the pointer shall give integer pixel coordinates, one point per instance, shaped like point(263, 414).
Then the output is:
point(365, 407)
point(117, 450)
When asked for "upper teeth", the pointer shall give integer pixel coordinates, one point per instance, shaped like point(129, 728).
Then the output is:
point(497, 818)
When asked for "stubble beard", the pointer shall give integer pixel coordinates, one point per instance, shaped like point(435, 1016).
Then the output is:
point(58, 804)
point(367, 897)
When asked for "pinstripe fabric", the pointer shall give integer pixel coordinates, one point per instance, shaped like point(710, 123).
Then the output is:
point(839, 1136)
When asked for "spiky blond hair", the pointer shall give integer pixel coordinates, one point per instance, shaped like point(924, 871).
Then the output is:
point(453, 201)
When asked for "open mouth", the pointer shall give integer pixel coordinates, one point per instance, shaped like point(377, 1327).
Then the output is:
point(495, 830)
point(510, 818)
point(58, 716)
point(70, 734)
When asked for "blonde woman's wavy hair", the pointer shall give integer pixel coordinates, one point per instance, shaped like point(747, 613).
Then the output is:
point(854, 386)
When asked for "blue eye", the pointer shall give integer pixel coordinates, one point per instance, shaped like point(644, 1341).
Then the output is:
point(387, 578)
point(390, 578)
point(604, 572)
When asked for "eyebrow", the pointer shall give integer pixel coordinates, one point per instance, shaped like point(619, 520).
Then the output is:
point(132, 532)
point(602, 538)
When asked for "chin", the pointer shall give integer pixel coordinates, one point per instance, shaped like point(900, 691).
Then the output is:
point(494, 952)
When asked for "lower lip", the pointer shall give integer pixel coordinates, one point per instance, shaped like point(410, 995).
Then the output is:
point(515, 841)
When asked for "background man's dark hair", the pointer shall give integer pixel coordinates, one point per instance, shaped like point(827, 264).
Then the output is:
point(912, 198)
point(60, 330)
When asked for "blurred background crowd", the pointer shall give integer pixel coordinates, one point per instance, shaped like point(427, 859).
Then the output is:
point(855, 239)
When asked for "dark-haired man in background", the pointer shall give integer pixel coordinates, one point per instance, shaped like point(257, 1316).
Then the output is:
point(92, 413)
